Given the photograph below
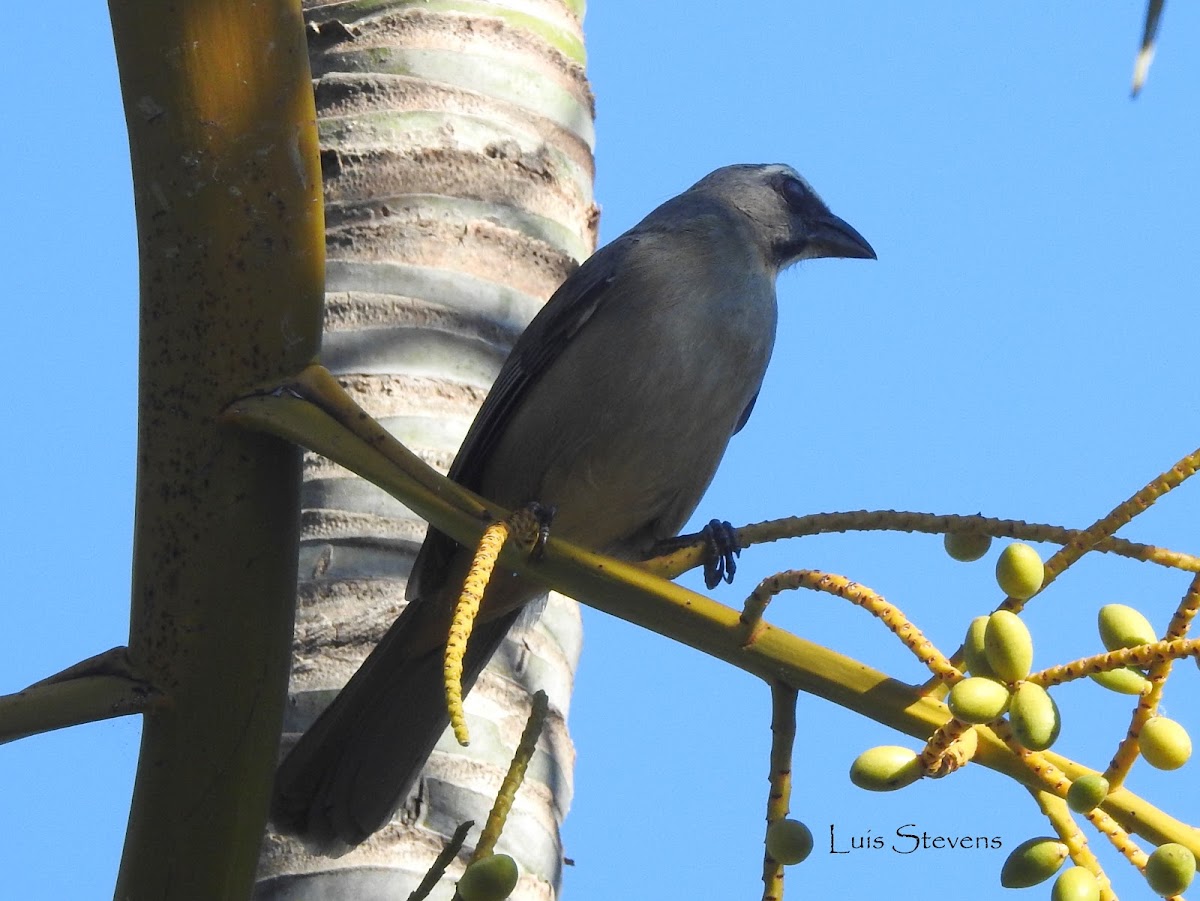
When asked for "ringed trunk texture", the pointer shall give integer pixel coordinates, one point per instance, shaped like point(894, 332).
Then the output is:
point(456, 149)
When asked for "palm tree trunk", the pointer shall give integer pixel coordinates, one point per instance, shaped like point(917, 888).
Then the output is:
point(456, 147)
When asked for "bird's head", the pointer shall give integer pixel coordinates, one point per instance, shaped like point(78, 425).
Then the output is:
point(788, 219)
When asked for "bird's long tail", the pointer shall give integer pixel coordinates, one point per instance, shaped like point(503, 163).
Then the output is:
point(359, 759)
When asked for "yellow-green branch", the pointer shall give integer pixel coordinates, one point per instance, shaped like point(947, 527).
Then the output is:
point(99, 688)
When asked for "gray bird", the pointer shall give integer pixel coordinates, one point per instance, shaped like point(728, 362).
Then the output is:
point(614, 407)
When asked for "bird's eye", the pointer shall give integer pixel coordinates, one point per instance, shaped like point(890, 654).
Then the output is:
point(796, 193)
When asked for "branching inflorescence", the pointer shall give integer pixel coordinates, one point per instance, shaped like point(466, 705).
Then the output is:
point(991, 687)
point(996, 710)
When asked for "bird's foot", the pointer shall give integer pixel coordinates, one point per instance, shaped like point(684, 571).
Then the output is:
point(723, 551)
point(531, 527)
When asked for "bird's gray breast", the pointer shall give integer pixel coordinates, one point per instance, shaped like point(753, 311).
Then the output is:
point(625, 429)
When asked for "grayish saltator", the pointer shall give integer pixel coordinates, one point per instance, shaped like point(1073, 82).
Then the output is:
point(614, 408)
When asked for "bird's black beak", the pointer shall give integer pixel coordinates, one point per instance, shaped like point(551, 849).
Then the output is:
point(835, 237)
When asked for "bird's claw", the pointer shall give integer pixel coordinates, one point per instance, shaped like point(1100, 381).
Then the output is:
point(723, 550)
point(532, 523)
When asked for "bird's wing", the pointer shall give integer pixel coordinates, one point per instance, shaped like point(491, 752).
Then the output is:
point(745, 417)
point(567, 311)
point(556, 324)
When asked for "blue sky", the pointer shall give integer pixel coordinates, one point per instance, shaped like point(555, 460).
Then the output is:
point(1025, 346)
